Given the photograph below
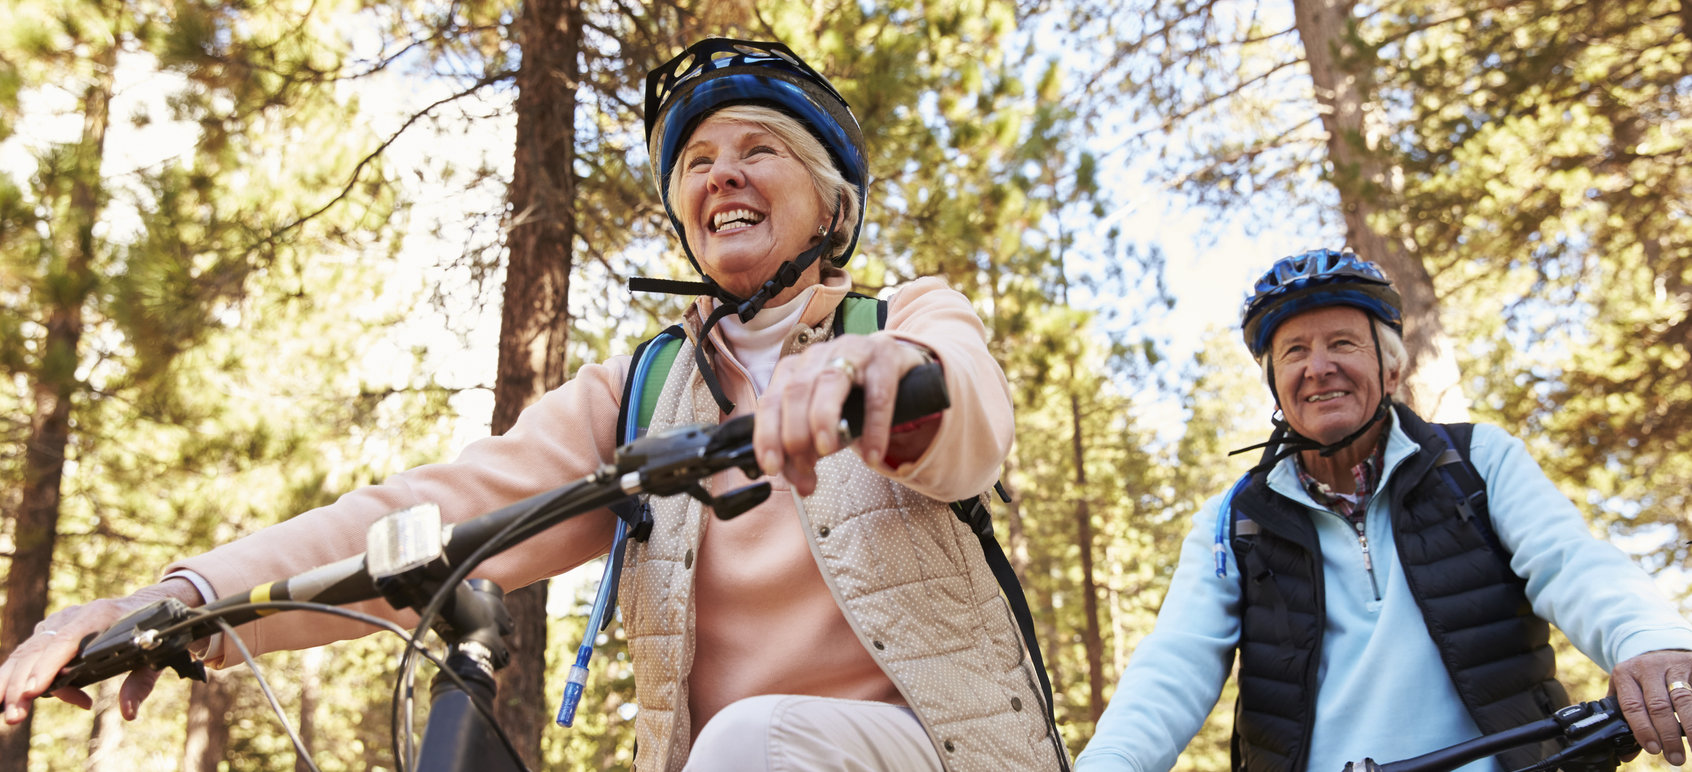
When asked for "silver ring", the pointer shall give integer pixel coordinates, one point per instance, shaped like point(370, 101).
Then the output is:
point(845, 367)
point(48, 632)
point(843, 433)
point(1679, 686)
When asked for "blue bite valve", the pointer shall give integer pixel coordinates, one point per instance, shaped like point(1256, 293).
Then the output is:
point(573, 686)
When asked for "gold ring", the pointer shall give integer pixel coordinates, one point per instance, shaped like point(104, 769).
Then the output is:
point(845, 367)
point(1679, 686)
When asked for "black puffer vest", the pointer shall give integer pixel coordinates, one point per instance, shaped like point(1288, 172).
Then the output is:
point(1494, 648)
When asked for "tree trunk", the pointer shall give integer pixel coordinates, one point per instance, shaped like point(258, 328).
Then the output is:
point(105, 737)
point(311, 687)
point(1344, 81)
point(36, 517)
point(1015, 540)
point(207, 742)
point(1090, 637)
point(534, 324)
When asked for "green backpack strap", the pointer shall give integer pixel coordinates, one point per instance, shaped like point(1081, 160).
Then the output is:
point(859, 315)
point(640, 392)
point(856, 315)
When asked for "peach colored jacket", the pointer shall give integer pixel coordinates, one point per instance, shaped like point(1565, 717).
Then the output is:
point(756, 593)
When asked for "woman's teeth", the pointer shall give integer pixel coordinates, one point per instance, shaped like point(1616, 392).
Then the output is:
point(734, 218)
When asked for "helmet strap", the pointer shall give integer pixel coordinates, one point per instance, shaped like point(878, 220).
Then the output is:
point(729, 303)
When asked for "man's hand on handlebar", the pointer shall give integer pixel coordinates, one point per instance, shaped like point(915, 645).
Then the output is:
point(58, 639)
point(1651, 688)
point(799, 414)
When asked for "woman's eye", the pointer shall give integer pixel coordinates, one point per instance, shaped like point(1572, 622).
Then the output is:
point(698, 161)
point(756, 149)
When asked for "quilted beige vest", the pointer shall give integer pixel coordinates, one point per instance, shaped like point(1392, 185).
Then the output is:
point(910, 578)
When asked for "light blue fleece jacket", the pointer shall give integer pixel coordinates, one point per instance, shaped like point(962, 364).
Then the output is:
point(1383, 692)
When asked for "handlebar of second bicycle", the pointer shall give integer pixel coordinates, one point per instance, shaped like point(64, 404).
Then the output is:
point(1596, 737)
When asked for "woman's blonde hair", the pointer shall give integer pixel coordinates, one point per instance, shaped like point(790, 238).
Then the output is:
point(809, 151)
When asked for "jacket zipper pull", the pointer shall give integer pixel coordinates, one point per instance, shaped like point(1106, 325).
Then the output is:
point(1368, 561)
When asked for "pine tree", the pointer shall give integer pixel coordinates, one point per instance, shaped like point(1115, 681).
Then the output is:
point(122, 281)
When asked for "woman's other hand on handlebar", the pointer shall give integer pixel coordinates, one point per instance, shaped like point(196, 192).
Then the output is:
point(799, 414)
point(1651, 688)
point(33, 665)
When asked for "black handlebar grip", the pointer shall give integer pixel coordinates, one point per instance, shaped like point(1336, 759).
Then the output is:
point(922, 392)
point(133, 642)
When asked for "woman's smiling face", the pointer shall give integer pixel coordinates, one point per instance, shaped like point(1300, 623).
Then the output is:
point(746, 202)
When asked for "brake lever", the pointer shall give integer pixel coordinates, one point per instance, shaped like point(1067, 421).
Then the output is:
point(135, 642)
point(1601, 737)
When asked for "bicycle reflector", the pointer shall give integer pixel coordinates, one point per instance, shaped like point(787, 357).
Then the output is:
point(404, 540)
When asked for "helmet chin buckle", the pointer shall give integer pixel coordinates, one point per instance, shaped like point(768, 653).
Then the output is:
point(785, 276)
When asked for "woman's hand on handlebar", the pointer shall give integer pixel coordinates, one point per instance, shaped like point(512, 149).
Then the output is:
point(798, 416)
point(58, 639)
point(1642, 689)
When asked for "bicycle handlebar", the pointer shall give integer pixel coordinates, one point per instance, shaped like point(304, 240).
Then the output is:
point(1598, 738)
point(663, 464)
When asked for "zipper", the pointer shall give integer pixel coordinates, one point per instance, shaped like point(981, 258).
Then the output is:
point(1368, 560)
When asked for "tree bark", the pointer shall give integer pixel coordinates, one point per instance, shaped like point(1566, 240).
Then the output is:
point(1344, 82)
point(1015, 539)
point(105, 737)
point(534, 324)
point(311, 690)
point(1090, 637)
point(54, 390)
point(207, 742)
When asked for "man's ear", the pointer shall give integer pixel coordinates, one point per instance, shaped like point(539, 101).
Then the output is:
point(1394, 381)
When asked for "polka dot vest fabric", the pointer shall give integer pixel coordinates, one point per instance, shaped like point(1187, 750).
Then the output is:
point(908, 576)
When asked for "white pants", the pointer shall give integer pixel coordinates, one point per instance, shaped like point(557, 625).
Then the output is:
point(789, 733)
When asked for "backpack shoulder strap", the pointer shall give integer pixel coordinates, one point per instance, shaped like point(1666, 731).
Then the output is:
point(648, 369)
point(1465, 481)
point(974, 513)
point(1231, 523)
point(859, 315)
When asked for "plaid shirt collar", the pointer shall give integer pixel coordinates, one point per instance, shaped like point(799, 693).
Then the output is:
point(1349, 505)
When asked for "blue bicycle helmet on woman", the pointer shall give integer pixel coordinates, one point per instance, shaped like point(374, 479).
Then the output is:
point(1304, 282)
point(718, 72)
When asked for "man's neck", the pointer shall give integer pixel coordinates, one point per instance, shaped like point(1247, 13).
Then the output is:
point(1335, 471)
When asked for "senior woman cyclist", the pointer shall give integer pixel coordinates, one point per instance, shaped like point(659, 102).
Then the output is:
point(850, 621)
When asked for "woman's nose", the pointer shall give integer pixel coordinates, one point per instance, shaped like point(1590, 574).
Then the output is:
point(726, 174)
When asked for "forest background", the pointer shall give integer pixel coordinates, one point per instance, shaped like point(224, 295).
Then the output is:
point(253, 255)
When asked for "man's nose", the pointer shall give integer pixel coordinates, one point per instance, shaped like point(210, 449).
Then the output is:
point(1321, 363)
